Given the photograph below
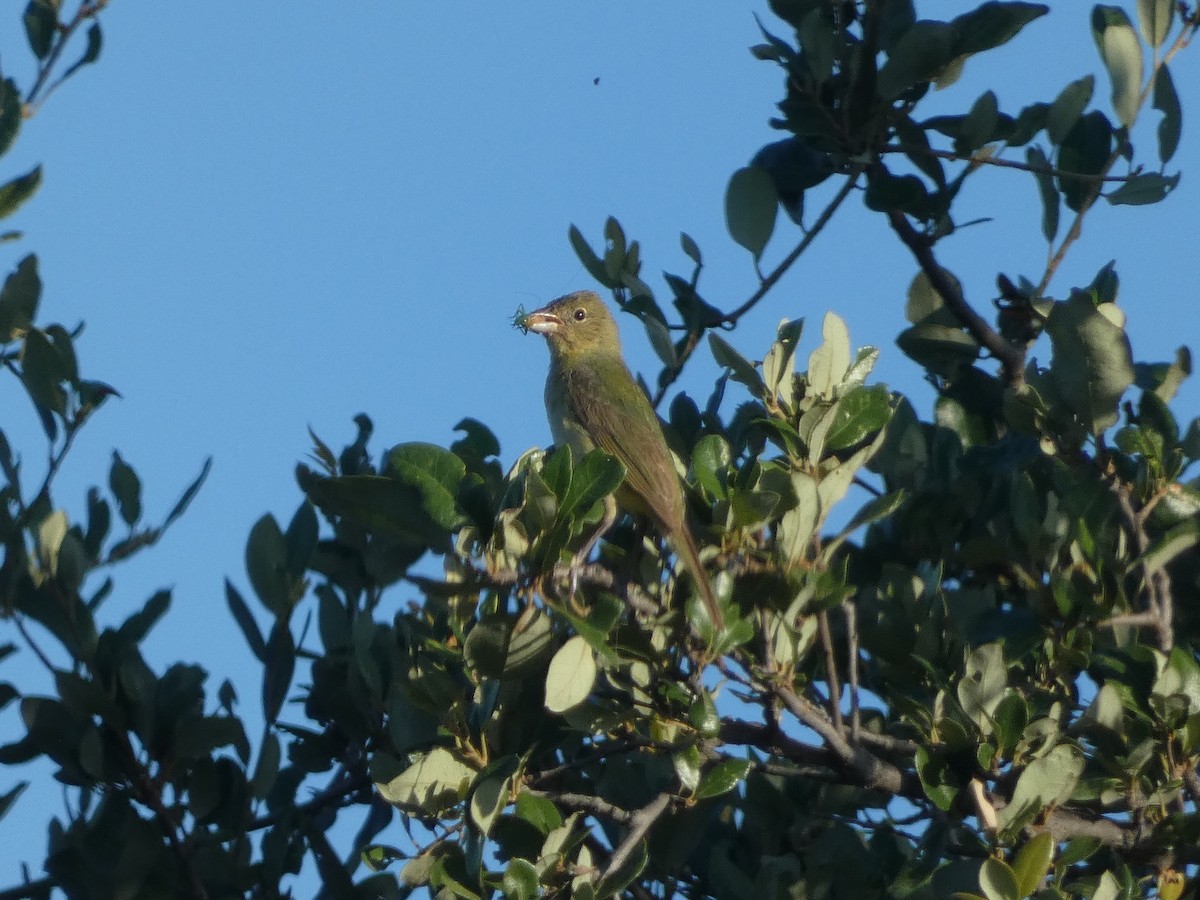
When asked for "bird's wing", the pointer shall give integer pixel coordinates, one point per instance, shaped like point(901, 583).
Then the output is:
point(615, 413)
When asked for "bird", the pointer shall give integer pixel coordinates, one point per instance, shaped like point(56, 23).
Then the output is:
point(592, 401)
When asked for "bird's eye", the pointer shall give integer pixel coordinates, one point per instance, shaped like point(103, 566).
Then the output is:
point(580, 314)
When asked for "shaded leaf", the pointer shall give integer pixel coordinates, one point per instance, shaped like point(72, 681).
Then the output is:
point(1166, 101)
point(750, 208)
point(14, 193)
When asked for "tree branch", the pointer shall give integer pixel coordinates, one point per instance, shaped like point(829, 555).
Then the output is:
point(1010, 356)
point(643, 820)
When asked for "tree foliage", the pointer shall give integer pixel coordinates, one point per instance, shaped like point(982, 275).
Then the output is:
point(960, 649)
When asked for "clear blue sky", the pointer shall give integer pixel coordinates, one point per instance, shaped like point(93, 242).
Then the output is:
point(275, 217)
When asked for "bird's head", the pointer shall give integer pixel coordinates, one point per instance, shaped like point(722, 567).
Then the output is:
point(574, 325)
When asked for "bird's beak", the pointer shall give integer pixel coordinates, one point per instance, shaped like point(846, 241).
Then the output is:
point(543, 322)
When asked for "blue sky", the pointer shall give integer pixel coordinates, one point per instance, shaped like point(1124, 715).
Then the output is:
point(273, 220)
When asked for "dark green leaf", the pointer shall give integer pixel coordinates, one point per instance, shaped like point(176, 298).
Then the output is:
point(992, 24)
point(979, 126)
point(750, 208)
point(1049, 193)
point(245, 620)
point(1067, 107)
point(91, 52)
point(722, 778)
point(41, 24)
point(189, 494)
point(19, 299)
point(126, 488)
point(937, 779)
point(920, 54)
point(266, 565)
point(590, 260)
point(596, 476)
point(387, 506)
point(43, 372)
point(18, 190)
point(301, 539)
point(890, 193)
point(7, 800)
point(690, 248)
point(1166, 101)
point(277, 671)
point(1140, 190)
point(10, 114)
point(137, 626)
point(1085, 151)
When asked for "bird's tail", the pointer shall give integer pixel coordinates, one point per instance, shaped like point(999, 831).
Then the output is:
point(685, 546)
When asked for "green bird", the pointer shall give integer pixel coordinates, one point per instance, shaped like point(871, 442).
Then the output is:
point(593, 401)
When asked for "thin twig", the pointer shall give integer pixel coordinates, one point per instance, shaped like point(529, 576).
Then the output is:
point(851, 613)
point(979, 159)
point(670, 374)
point(831, 675)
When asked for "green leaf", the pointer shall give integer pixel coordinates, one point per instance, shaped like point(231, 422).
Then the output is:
point(1140, 190)
point(10, 114)
point(436, 473)
point(722, 778)
point(189, 494)
point(278, 668)
point(710, 462)
point(8, 800)
point(91, 53)
point(597, 475)
point(571, 675)
point(1046, 189)
point(245, 620)
point(266, 565)
point(1121, 52)
point(18, 190)
point(1154, 20)
point(1085, 151)
point(827, 364)
point(690, 248)
point(1179, 539)
point(1091, 364)
point(1068, 106)
point(983, 684)
point(997, 880)
point(433, 784)
point(937, 779)
point(126, 488)
point(1033, 862)
point(1166, 101)
point(400, 508)
point(590, 260)
point(43, 372)
point(540, 812)
point(520, 880)
point(1046, 781)
point(992, 24)
point(740, 368)
point(41, 25)
point(858, 415)
point(750, 208)
point(138, 625)
point(888, 193)
point(490, 796)
point(921, 53)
